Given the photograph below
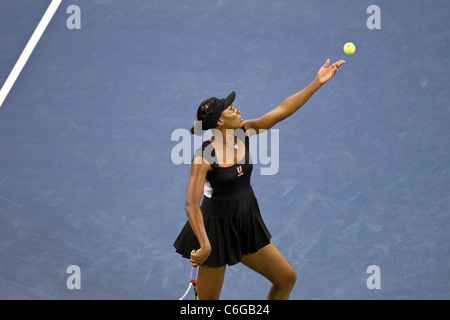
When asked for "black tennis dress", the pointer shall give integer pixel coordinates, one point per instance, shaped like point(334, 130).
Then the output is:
point(230, 211)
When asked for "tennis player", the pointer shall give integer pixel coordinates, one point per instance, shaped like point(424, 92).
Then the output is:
point(226, 227)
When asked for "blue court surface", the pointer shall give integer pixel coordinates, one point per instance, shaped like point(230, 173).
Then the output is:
point(360, 202)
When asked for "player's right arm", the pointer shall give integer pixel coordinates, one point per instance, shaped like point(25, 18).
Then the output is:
point(194, 193)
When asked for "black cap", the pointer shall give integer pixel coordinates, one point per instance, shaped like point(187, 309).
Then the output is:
point(219, 106)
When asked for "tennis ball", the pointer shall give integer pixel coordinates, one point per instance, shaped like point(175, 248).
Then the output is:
point(349, 48)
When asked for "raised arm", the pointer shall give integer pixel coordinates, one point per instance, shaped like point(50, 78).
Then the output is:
point(194, 195)
point(296, 101)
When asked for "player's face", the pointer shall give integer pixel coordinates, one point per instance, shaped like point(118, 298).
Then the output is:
point(231, 117)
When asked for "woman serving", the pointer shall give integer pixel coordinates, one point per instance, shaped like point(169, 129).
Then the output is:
point(226, 227)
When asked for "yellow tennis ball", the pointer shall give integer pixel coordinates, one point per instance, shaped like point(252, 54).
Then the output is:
point(349, 48)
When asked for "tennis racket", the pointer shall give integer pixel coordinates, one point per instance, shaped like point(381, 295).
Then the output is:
point(193, 283)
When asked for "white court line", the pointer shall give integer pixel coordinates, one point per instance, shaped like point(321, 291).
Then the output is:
point(37, 34)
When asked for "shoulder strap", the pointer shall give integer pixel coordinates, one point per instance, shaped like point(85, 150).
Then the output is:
point(207, 151)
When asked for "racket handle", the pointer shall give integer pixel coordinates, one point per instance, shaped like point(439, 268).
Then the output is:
point(194, 274)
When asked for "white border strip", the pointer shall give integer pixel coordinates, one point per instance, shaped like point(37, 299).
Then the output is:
point(37, 34)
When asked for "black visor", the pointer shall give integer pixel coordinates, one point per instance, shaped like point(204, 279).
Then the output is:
point(219, 106)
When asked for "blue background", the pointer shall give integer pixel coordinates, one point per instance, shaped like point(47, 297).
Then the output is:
point(86, 176)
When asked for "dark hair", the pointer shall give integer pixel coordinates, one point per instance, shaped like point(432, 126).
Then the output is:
point(204, 113)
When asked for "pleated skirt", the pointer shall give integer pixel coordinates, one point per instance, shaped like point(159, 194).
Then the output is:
point(234, 228)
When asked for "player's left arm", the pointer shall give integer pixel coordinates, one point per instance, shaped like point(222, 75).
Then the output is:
point(290, 105)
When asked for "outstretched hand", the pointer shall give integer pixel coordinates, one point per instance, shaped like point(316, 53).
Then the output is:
point(327, 71)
